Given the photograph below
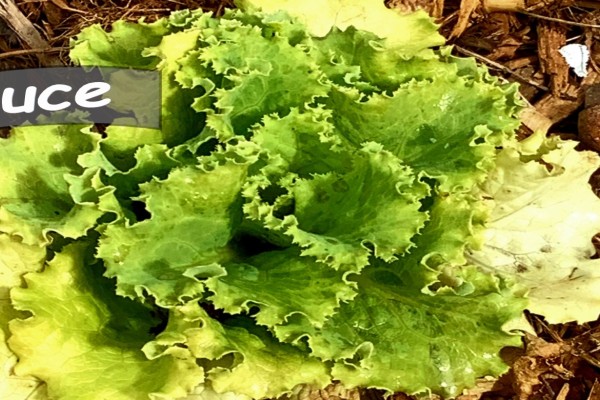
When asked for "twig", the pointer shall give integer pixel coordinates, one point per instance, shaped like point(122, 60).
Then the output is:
point(25, 30)
point(501, 68)
point(562, 21)
point(588, 4)
point(23, 52)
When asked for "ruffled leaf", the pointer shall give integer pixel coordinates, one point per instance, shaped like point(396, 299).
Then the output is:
point(544, 215)
point(192, 218)
point(280, 284)
point(85, 342)
point(336, 217)
point(394, 337)
point(410, 32)
point(239, 356)
point(36, 198)
point(455, 121)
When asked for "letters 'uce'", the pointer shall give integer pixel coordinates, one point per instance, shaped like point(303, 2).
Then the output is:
point(87, 96)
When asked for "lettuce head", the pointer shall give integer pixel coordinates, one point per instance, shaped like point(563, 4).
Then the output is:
point(332, 196)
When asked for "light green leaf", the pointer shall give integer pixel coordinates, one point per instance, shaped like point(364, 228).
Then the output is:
point(303, 142)
point(359, 59)
point(85, 342)
point(239, 356)
point(541, 227)
point(121, 47)
point(205, 392)
point(151, 161)
point(455, 224)
point(410, 32)
point(148, 46)
point(35, 196)
point(179, 122)
point(265, 75)
point(14, 387)
point(16, 259)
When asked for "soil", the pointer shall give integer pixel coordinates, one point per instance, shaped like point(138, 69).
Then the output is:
point(517, 39)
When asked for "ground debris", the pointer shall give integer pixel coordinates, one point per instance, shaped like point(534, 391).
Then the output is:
point(334, 391)
point(521, 39)
point(435, 8)
point(560, 363)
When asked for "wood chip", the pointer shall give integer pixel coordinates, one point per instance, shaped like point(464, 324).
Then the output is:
point(553, 36)
point(435, 8)
point(564, 392)
point(595, 392)
point(534, 120)
point(518, 63)
point(464, 14)
point(557, 108)
point(589, 119)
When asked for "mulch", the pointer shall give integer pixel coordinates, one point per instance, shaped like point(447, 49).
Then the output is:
point(517, 39)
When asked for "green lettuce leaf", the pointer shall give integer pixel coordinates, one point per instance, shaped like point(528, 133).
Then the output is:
point(396, 338)
point(359, 59)
point(240, 357)
point(148, 46)
point(266, 75)
point(463, 146)
point(280, 284)
point(455, 226)
point(192, 218)
point(337, 217)
point(410, 32)
point(36, 197)
point(16, 259)
point(303, 142)
point(85, 342)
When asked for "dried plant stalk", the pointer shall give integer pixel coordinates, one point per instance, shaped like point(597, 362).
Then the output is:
point(503, 5)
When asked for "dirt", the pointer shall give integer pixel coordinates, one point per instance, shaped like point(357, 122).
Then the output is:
point(517, 39)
